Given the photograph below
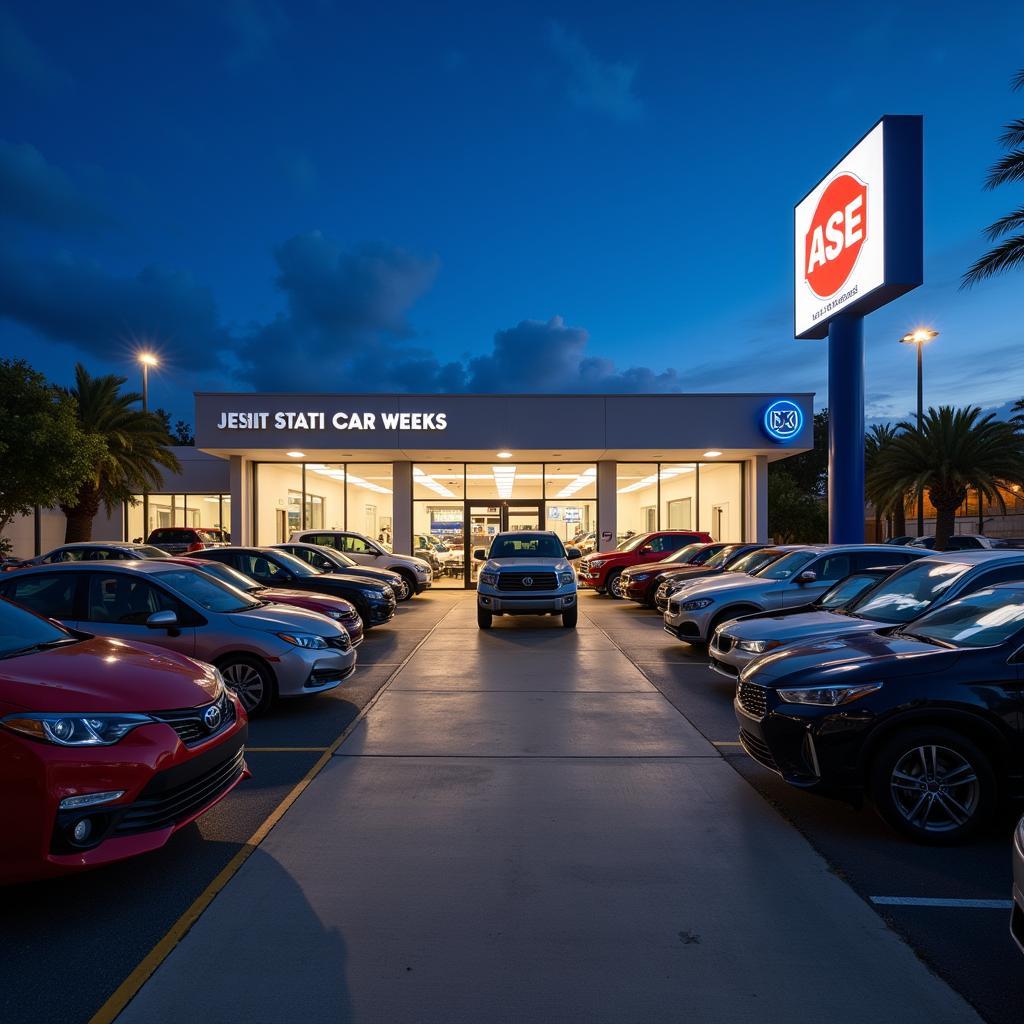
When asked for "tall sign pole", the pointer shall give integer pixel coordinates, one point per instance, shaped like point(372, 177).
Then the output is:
point(858, 244)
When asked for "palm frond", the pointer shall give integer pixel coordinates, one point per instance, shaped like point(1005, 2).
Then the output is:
point(1017, 82)
point(1007, 168)
point(1008, 223)
point(1013, 134)
point(1007, 255)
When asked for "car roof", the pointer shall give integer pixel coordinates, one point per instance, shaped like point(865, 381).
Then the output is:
point(976, 555)
point(101, 544)
point(527, 533)
point(142, 565)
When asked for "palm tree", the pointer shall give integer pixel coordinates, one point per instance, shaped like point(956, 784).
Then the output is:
point(955, 450)
point(876, 441)
point(134, 447)
point(1008, 231)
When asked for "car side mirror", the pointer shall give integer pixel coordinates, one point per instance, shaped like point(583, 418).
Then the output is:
point(807, 576)
point(479, 555)
point(573, 553)
point(163, 620)
point(645, 549)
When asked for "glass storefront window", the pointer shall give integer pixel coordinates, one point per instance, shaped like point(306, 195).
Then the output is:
point(370, 501)
point(196, 510)
point(504, 480)
point(636, 500)
point(678, 496)
point(278, 501)
point(721, 500)
point(325, 497)
point(438, 480)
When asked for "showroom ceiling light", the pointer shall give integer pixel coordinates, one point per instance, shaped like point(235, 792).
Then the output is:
point(504, 479)
point(667, 472)
point(368, 484)
point(578, 483)
point(296, 455)
point(712, 454)
point(425, 480)
point(504, 455)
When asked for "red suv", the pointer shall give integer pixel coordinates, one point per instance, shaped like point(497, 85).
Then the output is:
point(180, 540)
point(107, 748)
point(601, 570)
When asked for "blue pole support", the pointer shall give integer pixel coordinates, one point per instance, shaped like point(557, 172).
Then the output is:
point(846, 430)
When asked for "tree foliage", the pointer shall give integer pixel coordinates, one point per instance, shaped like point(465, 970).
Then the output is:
point(876, 443)
point(1006, 233)
point(133, 448)
point(955, 450)
point(44, 454)
point(797, 491)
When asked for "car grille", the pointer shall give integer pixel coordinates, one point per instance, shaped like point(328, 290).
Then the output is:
point(752, 699)
point(338, 643)
point(182, 801)
point(673, 607)
point(517, 581)
point(190, 725)
point(758, 750)
point(723, 643)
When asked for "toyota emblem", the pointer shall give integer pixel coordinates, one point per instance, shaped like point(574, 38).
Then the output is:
point(527, 581)
point(211, 717)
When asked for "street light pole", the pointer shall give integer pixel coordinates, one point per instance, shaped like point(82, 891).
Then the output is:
point(147, 359)
point(918, 338)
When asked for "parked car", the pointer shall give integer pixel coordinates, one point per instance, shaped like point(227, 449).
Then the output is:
point(1017, 914)
point(106, 749)
point(263, 651)
point(601, 570)
point(903, 538)
point(343, 612)
point(924, 719)
point(333, 560)
point(365, 551)
point(526, 572)
point(181, 540)
point(958, 542)
point(272, 567)
point(795, 579)
point(94, 551)
point(751, 563)
point(904, 595)
point(641, 582)
point(443, 560)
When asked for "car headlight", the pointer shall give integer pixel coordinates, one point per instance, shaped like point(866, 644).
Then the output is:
point(597, 563)
point(565, 578)
point(489, 578)
point(75, 730)
point(757, 646)
point(696, 604)
point(829, 696)
point(640, 577)
point(310, 641)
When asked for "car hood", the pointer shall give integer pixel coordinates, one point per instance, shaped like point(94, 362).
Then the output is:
point(273, 618)
point(536, 564)
point(103, 674)
point(725, 582)
point(305, 599)
point(795, 626)
point(346, 579)
point(852, 658)
point(366, 572)
point(658, 567)
point(685, 573)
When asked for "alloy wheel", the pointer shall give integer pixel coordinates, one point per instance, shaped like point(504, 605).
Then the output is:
point(935, 788)
point(615, 585)
point(247, 682)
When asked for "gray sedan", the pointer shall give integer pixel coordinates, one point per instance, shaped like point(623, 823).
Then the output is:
point(263, 650)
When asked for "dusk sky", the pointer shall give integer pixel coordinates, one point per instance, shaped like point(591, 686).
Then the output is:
point(529, 197)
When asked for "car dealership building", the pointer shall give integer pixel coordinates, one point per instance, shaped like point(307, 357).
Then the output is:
point(449, 471)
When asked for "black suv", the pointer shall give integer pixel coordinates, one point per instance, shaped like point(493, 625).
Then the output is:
point(925, 718)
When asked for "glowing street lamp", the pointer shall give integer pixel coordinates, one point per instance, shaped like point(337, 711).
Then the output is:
point(146, 360)
point(919, 338)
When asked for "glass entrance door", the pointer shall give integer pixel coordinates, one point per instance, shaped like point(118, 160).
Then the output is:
point(484, 520)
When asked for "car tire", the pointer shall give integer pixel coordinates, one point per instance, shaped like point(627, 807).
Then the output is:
point(612, 586)
point(933, 784)
point(410, 583)
point(570, 617)
point(483, 618)
point(251, 679)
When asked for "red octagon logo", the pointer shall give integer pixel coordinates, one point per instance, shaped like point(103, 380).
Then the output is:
point(835, 235)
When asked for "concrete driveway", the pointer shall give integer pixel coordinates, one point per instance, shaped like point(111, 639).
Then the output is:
point(522, 828)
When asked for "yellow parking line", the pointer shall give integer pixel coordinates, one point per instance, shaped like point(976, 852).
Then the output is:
point(286, 750)
point(126, 991)
point(726, 743)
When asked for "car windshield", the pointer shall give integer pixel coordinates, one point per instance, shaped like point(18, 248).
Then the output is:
point(787, 566)
point(984, 619)
point(907, 593)
point(21, 632)
point(632, 542)
point(847, 590)
point(205, 591)
point(684, 554)
point(527, 545)
point(718, 559)
point(231, 576)
point(755, 561)
point(148, 551)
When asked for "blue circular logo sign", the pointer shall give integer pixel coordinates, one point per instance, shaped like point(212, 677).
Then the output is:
point(783, 420)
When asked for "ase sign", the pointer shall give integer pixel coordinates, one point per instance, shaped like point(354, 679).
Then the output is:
point(857, 233)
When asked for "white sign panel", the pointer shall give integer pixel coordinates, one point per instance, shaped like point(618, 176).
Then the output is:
point(839, 236)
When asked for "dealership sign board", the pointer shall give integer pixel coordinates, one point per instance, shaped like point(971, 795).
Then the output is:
point(858, 233)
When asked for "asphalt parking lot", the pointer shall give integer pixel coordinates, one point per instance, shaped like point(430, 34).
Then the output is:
point(92, 931)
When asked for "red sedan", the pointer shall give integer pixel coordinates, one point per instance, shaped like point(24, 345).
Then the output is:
point(106, 748)
point(343, 612)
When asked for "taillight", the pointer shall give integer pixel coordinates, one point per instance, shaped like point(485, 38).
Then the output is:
point(195, 547)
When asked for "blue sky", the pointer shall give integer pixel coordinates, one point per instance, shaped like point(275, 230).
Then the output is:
point(526, 197)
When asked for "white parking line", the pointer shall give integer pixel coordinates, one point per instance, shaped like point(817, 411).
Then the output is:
point(921, 901)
